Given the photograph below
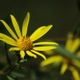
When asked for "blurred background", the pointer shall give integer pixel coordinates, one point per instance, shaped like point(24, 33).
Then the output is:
point(64, 15)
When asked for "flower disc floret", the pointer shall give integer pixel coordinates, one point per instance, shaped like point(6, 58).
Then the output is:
point(24, 43)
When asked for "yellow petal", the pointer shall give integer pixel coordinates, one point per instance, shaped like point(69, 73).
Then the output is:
point(76, 63)
point(25, 24)
point(38, 53)
point(9, 29)
point(14, 49)
point(75, 45)
point(36, 33)
point(7, 39)
point(75, 73)
point(40, 32)
point(53, 59)
point(49, 52)
point(15, 25)
point(22, 54)
point(45, 43)
point(44, 48)
point(63, 68)
point(31, 54)
point(69, 41)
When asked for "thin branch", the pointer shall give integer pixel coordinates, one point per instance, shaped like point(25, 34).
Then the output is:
point(11, 68)
point(7, 56)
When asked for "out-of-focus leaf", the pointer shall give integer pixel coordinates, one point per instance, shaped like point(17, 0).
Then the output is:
point(10, 78)
point(66, 53)
point(19, 74)
point(33, 75)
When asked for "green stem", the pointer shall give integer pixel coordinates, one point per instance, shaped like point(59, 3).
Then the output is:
point(33, 75)
point(7, 56)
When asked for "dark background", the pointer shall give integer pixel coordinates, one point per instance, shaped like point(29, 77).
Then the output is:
point(63, 14)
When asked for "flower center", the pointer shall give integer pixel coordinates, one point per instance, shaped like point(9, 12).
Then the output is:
point(66, 60)
point(25, 43)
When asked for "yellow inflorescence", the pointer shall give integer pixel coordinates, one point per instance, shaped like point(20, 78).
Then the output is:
point(25, 43)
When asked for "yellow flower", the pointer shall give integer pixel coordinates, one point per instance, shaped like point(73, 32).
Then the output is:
point(72, 46)
point(20, 41)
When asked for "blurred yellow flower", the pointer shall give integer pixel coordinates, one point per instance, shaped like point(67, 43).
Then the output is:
point(72, 46)
point(22, 42)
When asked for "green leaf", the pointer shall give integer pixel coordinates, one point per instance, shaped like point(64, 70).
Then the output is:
point(18, 74)
point(23, 60)
point(66, 53)
point(10, 78)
